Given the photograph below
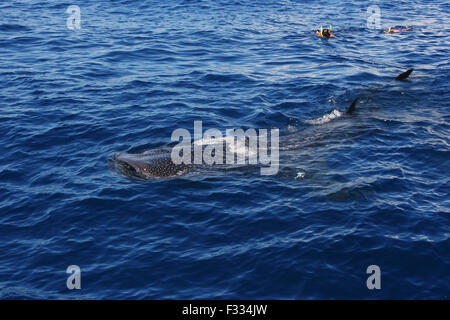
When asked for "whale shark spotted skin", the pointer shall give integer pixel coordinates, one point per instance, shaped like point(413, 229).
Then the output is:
point(157, 163)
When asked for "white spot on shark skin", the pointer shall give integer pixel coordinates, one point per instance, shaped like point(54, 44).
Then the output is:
point(326, 118)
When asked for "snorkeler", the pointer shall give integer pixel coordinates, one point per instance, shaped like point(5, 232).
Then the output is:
point(326, 33)
point(397, 30)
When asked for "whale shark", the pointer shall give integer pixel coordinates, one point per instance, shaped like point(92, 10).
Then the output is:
point(157, 163)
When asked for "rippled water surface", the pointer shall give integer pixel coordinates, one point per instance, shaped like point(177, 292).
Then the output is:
point(367, 189)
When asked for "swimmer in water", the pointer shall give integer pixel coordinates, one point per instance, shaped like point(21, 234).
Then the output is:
point(397, 30)
point(325, 33)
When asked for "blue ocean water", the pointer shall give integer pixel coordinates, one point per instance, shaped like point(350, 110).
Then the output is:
point(375, 189)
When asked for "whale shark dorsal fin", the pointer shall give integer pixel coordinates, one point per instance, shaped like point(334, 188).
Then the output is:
point(351, 109)
point(404, 75)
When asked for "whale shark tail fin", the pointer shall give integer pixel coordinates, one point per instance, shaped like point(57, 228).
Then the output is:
point(351, 109)
point(404, 75)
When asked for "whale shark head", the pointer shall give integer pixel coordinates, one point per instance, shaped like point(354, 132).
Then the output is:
point(146, 166)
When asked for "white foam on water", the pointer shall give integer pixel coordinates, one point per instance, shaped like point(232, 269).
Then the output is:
point(208, 141)
point(240, 149)
point(236, 146)
point(326, 118)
